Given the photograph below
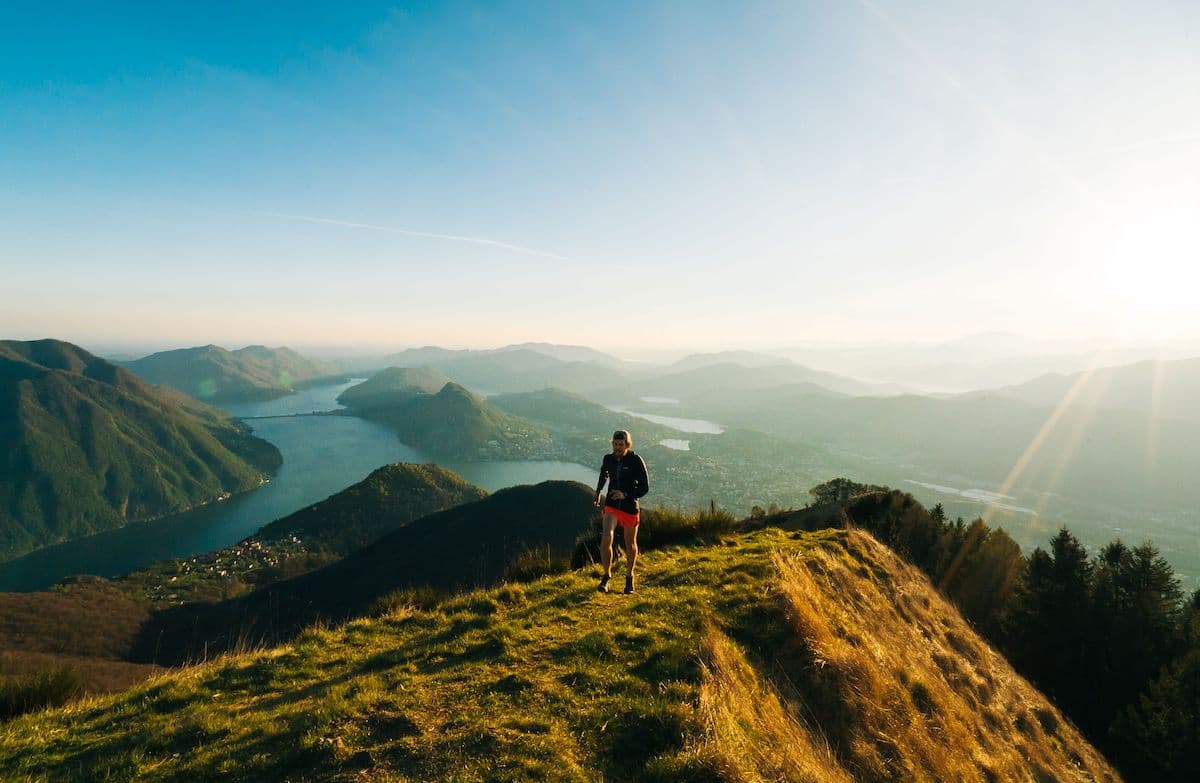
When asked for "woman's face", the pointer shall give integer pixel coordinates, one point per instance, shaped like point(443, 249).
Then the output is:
point(620, 446)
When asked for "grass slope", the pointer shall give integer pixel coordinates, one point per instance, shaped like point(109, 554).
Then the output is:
point(86, 446)
point(214, 374)
point(772, 656)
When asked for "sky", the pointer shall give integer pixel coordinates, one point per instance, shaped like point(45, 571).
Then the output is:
point(623, 175)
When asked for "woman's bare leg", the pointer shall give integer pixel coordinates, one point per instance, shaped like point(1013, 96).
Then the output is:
point(631, 550)
point(607, 525)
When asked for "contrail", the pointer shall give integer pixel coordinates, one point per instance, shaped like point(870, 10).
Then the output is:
point(530, 251)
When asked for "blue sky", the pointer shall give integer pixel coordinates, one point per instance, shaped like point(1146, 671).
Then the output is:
point(616, 174)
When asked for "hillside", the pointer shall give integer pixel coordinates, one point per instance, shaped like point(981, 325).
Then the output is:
point(216, 375)
point(455, 424)
point(86, 446)
point(773, 656)
point(394, 383)
point(390, 497)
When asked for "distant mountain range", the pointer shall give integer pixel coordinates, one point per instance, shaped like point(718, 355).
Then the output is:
point(581, 370)
point(979, 361)
point(727, 378)
point(86, 446)
point(1164, 389)
point(216, 375)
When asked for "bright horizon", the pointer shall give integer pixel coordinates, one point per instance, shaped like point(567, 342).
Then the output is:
point(622, 176)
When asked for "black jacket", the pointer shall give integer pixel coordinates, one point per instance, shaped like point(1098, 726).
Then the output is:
point(627, 474)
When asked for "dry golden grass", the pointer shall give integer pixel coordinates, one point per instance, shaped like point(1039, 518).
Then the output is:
point(925, 699)
point(750, 734)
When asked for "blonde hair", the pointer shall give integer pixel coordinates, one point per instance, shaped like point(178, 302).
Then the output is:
point(623, 435)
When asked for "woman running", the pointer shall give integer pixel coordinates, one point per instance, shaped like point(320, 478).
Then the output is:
point(627, 482)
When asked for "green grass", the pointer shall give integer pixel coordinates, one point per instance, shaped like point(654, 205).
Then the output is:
point(544, 680)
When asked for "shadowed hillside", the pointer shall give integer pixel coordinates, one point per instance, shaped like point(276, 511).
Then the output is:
point(85, 446)
point(772, 656)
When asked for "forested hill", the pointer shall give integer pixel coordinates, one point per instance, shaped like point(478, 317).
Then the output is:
point(214, 374)
point(452, 424)
point(86, 446)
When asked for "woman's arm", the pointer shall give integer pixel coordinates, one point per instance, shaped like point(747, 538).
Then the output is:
point(603, 475)
point(643, 485)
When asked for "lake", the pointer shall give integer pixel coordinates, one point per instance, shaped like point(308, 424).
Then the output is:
point(674, 422)
point(322, 455)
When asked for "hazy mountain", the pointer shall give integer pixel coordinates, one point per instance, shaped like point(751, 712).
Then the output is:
point(732, 379)
point(744, 358)
point(389, 498)
point(569, 353)
point(1165, 389)
point(387, 386)
point(976, 362)
point(213, 374)
point(86, 446)
point(715, 680)
point(455, 424)
point(513, 369)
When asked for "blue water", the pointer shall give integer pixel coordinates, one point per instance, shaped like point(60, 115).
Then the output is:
point(321, 456)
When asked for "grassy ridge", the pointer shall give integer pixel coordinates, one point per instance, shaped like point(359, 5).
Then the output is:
point(774, 655)
point(85, 446)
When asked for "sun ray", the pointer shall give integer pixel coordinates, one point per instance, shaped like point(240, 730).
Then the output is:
point(1035, 445)
point(1097, 384)
point(1158, 381)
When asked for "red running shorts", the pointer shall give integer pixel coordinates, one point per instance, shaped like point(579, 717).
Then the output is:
point(624, 518)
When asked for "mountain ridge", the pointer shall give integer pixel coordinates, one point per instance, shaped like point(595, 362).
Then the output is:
point(88, 446)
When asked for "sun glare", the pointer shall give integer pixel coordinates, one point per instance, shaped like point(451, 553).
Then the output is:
point(1150, 263)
